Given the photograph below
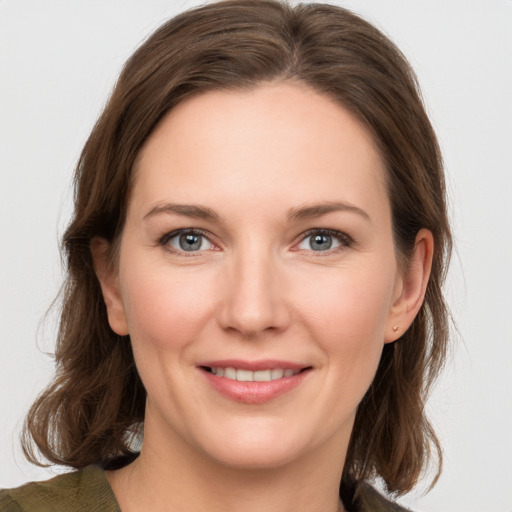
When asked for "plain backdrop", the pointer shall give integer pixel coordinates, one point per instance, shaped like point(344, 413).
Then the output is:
point(58, 63)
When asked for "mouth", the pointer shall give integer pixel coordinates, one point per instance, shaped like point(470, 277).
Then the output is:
point(242, 375)
point(254, 383)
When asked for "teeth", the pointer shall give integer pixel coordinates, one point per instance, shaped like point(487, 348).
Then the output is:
point(218, 371)
point(230, 373)
point(244, 375)
point(276, 373)
point(250, 376)
point(262, 375)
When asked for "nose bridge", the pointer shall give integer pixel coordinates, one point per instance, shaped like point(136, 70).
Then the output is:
point(254, 297)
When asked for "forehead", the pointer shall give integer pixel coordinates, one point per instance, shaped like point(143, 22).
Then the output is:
point(277, 143)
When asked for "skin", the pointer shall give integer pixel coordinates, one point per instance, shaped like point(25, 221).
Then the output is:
point(255, 290)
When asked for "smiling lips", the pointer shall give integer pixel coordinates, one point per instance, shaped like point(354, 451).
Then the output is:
point(253, 376)
point(254, 383)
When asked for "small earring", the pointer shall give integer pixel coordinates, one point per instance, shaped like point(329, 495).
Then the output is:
point(395, 328)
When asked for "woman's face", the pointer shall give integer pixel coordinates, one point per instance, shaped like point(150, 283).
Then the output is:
point(257, 275)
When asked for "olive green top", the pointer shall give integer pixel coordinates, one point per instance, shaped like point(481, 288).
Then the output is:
point(88, 490)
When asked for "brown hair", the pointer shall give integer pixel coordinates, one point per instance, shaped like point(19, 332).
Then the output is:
point(97, 398)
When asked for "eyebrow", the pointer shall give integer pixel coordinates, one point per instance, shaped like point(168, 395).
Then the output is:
point(294, 214)
point(317, 210)
point(187, 210)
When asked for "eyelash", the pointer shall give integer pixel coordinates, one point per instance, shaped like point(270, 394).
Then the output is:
point(164, 241)
point(345, 240)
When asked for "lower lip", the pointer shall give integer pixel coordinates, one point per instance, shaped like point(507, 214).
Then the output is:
point(254, 392)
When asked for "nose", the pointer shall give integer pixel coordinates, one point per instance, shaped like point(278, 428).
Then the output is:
point(254, 296)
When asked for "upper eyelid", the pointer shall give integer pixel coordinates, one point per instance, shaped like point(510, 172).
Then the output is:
point(196, 231)
point(329, 231)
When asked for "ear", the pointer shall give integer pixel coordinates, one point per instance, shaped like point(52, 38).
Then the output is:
point(109, 282)
point(411, 287)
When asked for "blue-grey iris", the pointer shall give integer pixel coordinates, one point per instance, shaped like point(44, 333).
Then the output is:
point(320, 242)
point(190, 242)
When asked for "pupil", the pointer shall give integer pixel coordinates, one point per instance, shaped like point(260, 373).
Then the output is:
point(189, 242)
point(321, 242)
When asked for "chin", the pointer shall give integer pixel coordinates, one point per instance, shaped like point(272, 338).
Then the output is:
point(258, 447)
point(255, 457)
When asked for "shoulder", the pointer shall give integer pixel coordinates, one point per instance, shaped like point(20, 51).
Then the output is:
point(86, 490)
point(369, 500)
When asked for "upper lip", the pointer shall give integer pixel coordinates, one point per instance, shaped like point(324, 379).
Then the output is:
point(265, 364)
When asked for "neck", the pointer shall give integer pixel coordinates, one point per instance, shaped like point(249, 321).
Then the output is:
point(172, 476)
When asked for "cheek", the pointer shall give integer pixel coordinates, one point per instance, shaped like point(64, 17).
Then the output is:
point(350, 306)
point(166, 313)
point(164, 308)
point(347, 317)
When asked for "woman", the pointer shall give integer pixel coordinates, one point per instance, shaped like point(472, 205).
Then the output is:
point(255, 267)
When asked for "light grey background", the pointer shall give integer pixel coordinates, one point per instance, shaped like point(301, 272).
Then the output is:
point(58, 62)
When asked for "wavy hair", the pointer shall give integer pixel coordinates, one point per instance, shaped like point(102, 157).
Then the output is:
point(96, 400)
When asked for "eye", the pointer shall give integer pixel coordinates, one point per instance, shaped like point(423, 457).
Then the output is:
point(187, 240)
point(320, 240)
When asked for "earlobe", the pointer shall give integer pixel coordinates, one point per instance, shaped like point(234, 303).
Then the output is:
point(413, 285)
point(109, 282)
